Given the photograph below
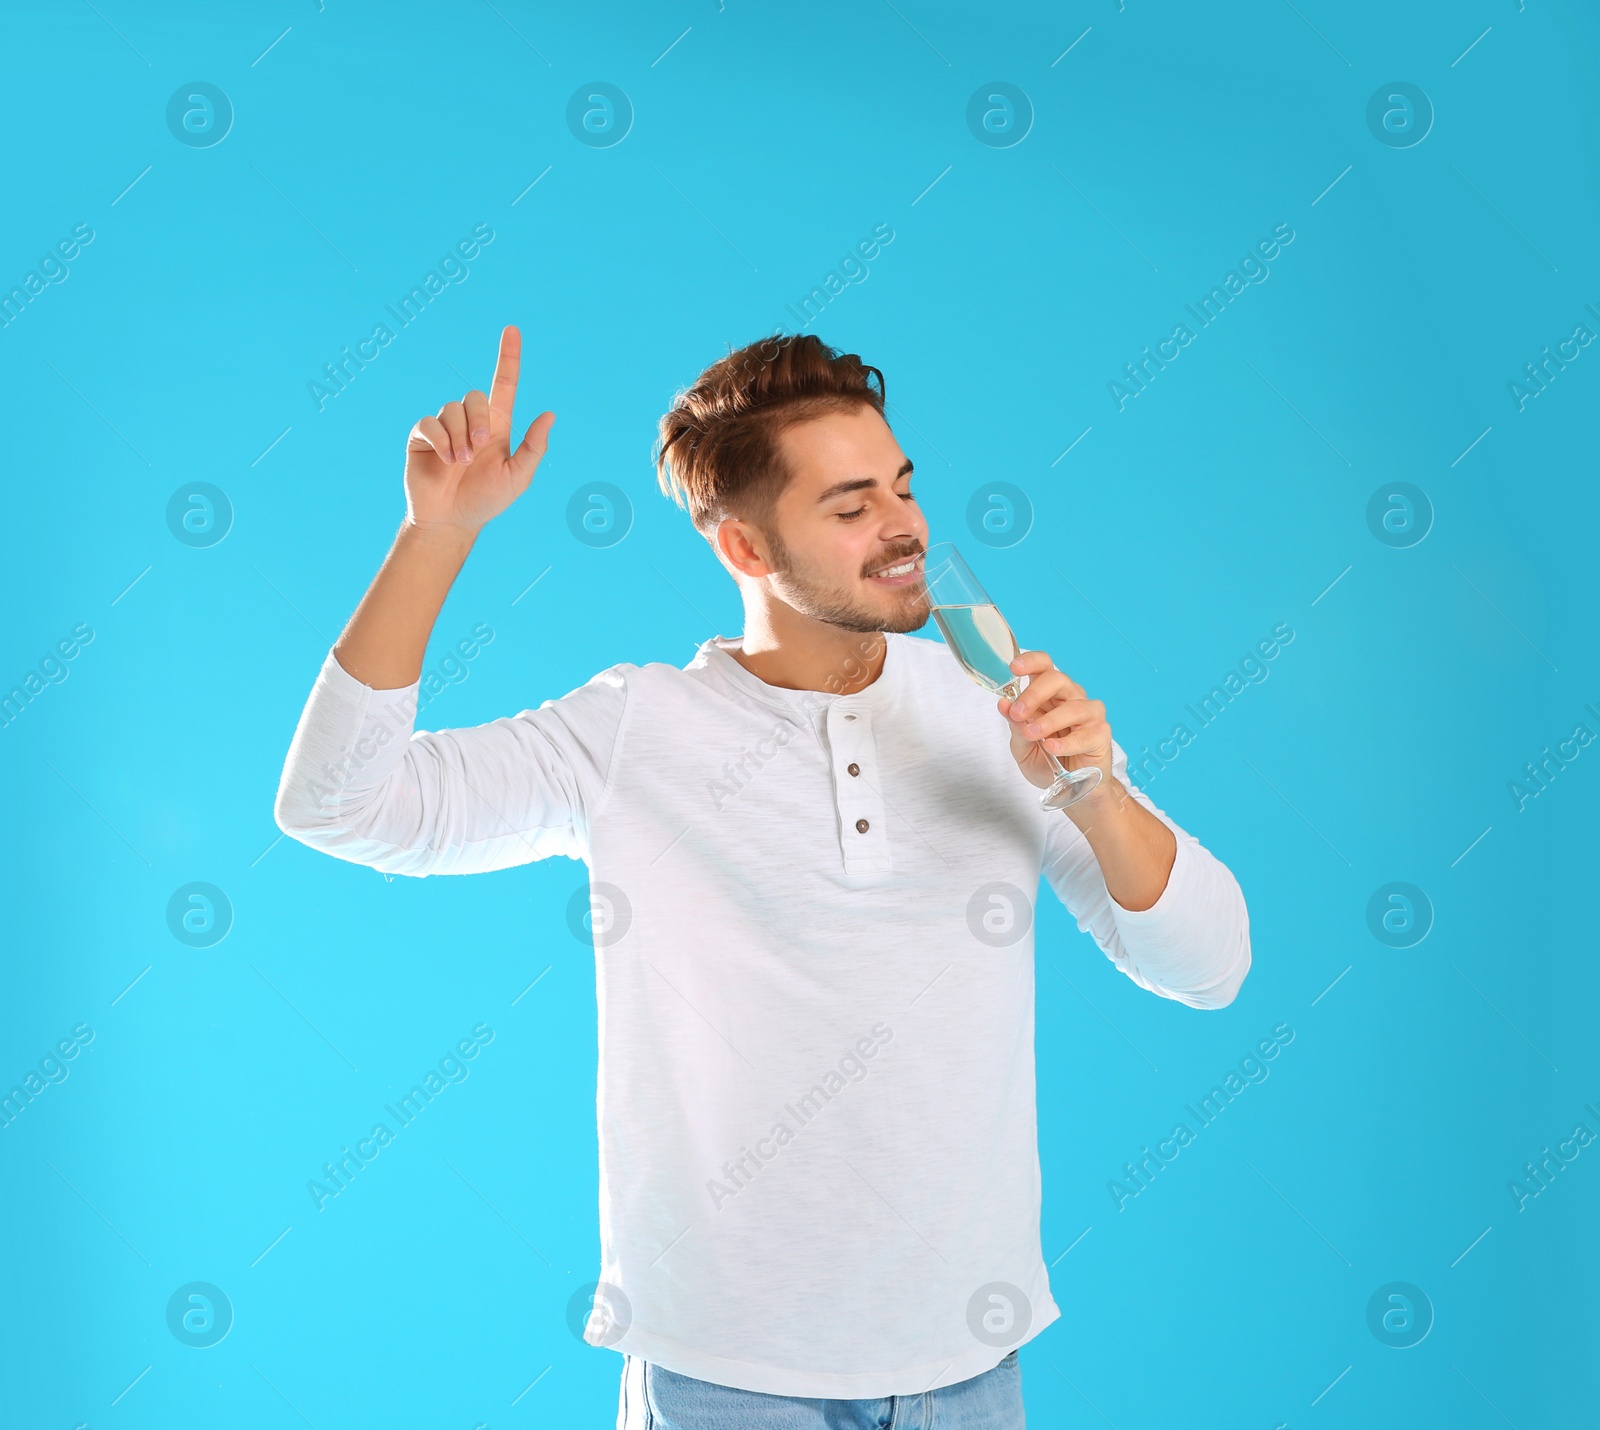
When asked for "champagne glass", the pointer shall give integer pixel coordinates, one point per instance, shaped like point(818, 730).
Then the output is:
point(984, 646)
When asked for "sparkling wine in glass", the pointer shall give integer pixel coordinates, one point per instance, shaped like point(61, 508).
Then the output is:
point(984, 646)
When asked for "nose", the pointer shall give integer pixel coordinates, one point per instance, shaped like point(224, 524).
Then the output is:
point(905, 523)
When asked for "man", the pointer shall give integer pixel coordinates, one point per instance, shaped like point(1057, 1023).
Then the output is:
point(813, 853)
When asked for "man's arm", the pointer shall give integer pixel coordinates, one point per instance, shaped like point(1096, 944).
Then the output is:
point(358, 783)
point(1135, 850)
point(1162, 906)
point(1192, 944)
point(460, 474)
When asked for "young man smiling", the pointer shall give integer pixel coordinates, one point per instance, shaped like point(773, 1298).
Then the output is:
point(778, 1247)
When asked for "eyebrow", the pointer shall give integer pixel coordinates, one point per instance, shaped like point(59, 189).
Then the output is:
point(857, 483)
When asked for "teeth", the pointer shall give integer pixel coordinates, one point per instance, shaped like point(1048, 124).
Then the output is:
point(897, 570)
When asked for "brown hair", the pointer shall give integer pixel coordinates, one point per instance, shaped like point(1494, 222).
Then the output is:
point(717, 453)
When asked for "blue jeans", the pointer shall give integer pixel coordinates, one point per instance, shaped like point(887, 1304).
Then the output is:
point(654, 1398)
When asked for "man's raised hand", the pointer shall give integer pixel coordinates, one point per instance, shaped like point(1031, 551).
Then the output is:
point(460, 469)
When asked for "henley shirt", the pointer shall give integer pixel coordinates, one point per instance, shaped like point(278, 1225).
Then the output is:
point(813, 921)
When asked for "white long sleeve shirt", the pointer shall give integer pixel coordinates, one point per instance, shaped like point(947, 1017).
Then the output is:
point(814, 933)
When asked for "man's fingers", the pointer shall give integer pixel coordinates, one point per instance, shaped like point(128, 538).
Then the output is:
point(453, 416)
point(508, 368)
point(1031, 662)
point(1041, 689)
point(534, 445)
point(477, 406)
point(1053, 685)
point(1066, 715)
point(429, 432)
point(1088, 741)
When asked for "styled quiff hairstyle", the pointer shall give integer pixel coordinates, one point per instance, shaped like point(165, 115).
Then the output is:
point(717, 452)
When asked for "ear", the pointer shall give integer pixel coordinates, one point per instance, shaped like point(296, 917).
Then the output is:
point(742, 548)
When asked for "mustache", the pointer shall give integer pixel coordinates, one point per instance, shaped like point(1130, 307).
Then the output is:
point(891, 558)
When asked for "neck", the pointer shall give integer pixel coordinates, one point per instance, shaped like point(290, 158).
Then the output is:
point(785, 648)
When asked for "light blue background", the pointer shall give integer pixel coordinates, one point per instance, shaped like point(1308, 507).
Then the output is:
point(1228, 497)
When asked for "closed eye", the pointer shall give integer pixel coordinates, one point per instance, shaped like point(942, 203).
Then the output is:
point(852, 515)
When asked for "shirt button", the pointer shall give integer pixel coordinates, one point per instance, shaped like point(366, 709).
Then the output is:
point(854, 769)
point(861, 826)
point(849, 717)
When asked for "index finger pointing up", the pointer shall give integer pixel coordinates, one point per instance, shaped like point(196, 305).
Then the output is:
point(503, 391)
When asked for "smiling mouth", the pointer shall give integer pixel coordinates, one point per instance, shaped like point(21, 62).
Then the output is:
point(903, 573)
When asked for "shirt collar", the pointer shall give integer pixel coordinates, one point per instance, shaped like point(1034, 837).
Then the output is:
point(713, 656)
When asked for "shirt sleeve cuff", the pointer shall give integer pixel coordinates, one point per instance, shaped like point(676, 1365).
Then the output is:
point(1194, 940)
point(369, 728)
point(1175, 909)
point(336, 677)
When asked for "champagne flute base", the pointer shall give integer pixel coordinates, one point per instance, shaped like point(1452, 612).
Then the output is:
point(1070, 787)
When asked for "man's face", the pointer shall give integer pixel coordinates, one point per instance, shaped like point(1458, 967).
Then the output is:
point(846, 514)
